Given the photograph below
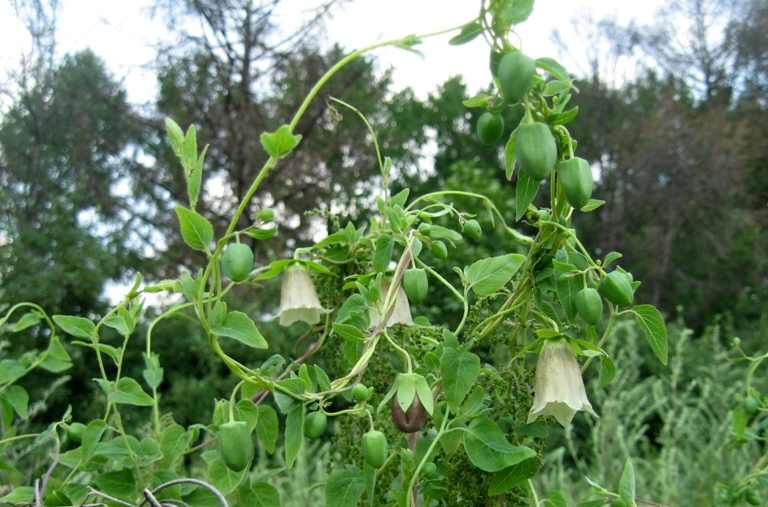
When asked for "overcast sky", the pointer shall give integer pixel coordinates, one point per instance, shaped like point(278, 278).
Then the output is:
point(122, 33)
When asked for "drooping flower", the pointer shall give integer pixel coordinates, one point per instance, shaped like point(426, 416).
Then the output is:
point(298, 297)
point(559, 387)
point(400, 315)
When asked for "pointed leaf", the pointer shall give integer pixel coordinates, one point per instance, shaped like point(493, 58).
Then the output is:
point(627, 483)
point(294, 434)
point(344, 487)
point(469, 32)
point(129, 392)
point(26, 321)
point(240, 327)
point(281, 142)
point(655, 330)
point(488, 449)
point(459, 371)
point(78, 327)
point(486, 276)
point(525, 193)
point(513, 476)
point(196, 230)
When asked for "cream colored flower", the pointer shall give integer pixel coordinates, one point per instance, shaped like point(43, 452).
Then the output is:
point(559, 386)
point(298, 298)
point(400, 315)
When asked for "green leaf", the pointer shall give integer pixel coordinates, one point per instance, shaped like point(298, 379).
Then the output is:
point(517, 11)
point(78, 327)
point(440, 232)
point(554, 68)
point(486, 276)
point(26, 321)
point(294, 434)
point(655, 330)
point(555, 87)
point(117, 323)
point(383, 253)
point(344, 487)
point(627, 483)
point(91, 437)
point(18, 397)
point(556, 499)
point(20, 495)
point(740, 419)
point(469, 32)
point(607, 371)
point(129, 392)
point(266, 427)
point(564, 117)
point(592, 205)
point(196, 230)
point(10, 370)
point(261, 494)
point(246, 411)
point(513, 476)
point(459, 371)
point(224, 479)
point(480, 100)
point(175, 135)
point(173, 443)
point(281, 142)
point(510, 158)
point(525, 193)
point(240, 327)
point(153, 373)
point(349, 332)
point(488, 449)
point(195, 179)
point(56, 359)
point(148, 452)
point(120, 484)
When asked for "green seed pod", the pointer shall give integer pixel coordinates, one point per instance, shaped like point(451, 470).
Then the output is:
point(535, 150)
point(589, 304)
point(752, 498)
point(617, 289)
point(360, 393)
point(375, 448)
point(235, 445)
point(267, 214)
point(439, 250)
point(429, 470)
point(237, 262)
point(516, 72)
point(472, 229)
point(425, 228)
point(576, 179)
point(75, 432)
point(490, 127)
point(750, 405)
point(416, 284)
point(315, 424)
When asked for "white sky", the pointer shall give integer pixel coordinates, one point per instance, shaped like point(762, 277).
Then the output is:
point(122, 34)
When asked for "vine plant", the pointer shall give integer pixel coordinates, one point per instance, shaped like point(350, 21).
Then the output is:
point(417, 404)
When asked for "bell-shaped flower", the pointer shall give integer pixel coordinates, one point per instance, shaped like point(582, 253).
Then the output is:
point(298, 298)
point(559, 387)
point(401, 313)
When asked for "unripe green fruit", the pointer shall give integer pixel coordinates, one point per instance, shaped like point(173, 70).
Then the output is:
point(75, 432)
point(472, 229)
point(267, 214)
point(360, 393)
point(589, 304)
point(429, 470)
point(544, 215)
point(617, 289)
point(415, 284)
point(750, 405)
point(237, 262)
point(315, 424)
point(752, 498)
point(535, 150)
point(490, 127)
point(235, 445)
point(516, 72)
point(425, 228)
point(375, 448)
point(576, 179)
point(439, 250)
